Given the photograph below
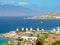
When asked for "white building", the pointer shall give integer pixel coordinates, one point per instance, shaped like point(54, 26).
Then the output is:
point(26, 29)
point(22, 29)
point(42, 29)
point(54, 29)
point(31, 29)
point(58, 28)
point(37, 29)
point(26, 38)
point(17, 29)
point(58, 17)
point(29, 36)
point(9, 42)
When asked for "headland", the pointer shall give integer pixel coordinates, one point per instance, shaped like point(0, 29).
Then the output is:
point(33, 37)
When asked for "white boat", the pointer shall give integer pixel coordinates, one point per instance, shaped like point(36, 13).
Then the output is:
point(41, 21)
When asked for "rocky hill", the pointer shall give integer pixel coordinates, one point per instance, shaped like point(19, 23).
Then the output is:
point(53, 15)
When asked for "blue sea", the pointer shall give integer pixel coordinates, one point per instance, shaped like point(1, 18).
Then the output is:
point(11, 23)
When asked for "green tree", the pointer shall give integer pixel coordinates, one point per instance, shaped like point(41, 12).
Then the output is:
point(56, 43)
point(39, 41)
point(20, 39)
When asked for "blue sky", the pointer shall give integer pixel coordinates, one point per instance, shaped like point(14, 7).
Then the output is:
point(33, 4)
point(37, 5)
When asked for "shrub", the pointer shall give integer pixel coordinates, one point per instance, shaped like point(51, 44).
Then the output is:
point(56, 43)
point(39, 41)
point(20, 39)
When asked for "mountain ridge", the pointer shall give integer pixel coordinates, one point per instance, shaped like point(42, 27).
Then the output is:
point(10, 10)
point(53, 15)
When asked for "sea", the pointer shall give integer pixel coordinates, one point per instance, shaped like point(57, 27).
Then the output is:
point(11, 23)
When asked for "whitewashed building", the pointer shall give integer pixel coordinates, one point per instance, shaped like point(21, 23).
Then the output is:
point(26, 29)
point(26, 38)
point(17, 29)
point(37, 29)
point(31, 29)
point(22, 29)
point(42, 30)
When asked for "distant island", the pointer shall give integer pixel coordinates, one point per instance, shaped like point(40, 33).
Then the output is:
point(53, 15)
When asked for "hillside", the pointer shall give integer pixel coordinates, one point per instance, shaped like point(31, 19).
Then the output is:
point(55, 15)
point(10, 10)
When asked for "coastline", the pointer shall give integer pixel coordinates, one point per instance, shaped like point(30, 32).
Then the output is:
point(47, 39)
point(16, 34)
point(32, 35)
point(41, 19)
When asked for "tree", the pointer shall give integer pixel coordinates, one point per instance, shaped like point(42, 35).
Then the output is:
point(20, 39)
point(39, 41)
point(56, 43)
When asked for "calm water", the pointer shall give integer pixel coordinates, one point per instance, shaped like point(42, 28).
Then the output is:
point(11, 23)
point(2, 40)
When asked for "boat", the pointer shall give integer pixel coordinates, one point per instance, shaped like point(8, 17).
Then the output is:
point(41, 21)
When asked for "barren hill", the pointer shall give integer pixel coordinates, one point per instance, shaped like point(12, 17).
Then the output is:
point(53, 15)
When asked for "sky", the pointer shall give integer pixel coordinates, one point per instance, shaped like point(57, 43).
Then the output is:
point(37, 5)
